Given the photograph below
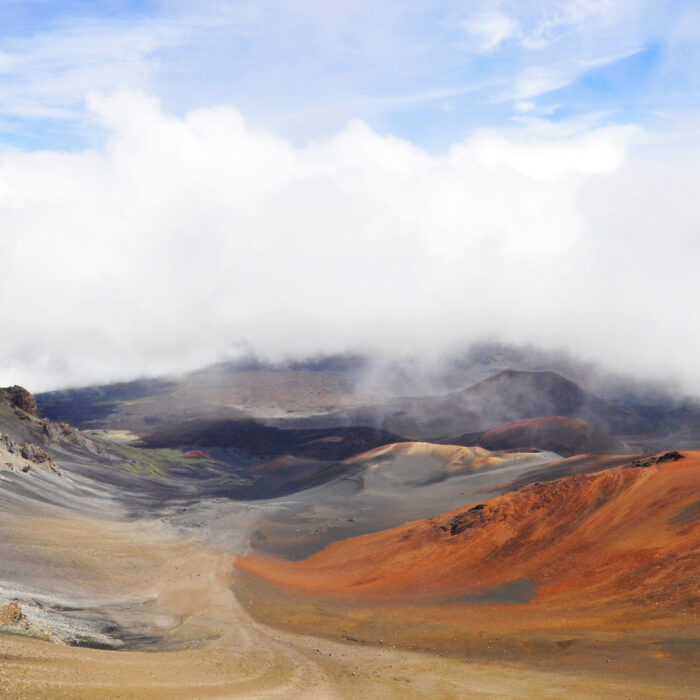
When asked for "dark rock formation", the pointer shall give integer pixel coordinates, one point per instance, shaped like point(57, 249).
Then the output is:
point(672, 456)
point(19, 397)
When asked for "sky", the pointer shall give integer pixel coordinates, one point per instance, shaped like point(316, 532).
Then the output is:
point(182, 181)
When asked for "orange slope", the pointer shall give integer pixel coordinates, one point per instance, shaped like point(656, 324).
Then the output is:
point(627, 538)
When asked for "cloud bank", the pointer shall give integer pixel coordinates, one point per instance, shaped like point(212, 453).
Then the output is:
point(184, 238)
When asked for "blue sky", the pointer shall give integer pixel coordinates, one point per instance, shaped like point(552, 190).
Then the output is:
point(430, 72)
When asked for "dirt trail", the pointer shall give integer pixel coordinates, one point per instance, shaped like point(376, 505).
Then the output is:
point(219, 651)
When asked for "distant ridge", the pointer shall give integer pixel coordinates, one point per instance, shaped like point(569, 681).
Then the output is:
point(322, 394)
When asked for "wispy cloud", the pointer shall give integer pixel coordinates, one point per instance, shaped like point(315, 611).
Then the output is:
point(49, 73)
point(532, 25)
point(557, 19)
point(487, 31)
point(367, 106)
point(332, 60)
point(538, 80)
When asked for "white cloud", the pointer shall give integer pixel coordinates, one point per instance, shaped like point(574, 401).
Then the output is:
point(535, 81)
point(525, 106)
point(487, 31)
point(592, 153)
point(186, 236)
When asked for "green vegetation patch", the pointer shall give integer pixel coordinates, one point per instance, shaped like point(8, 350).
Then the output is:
point(150, 461)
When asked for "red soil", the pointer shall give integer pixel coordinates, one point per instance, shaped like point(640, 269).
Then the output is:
point(197, 454)
point(285, 463)
point(626, 540)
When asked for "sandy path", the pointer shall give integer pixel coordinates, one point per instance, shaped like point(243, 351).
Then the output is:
point(184, 590)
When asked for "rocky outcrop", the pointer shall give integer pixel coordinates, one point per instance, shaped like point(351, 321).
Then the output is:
point(55, 433)
point(24, 457)
point(19, 397)
point(34, 434)
point(11, 615)
point(60, 433)
point(672, 456)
